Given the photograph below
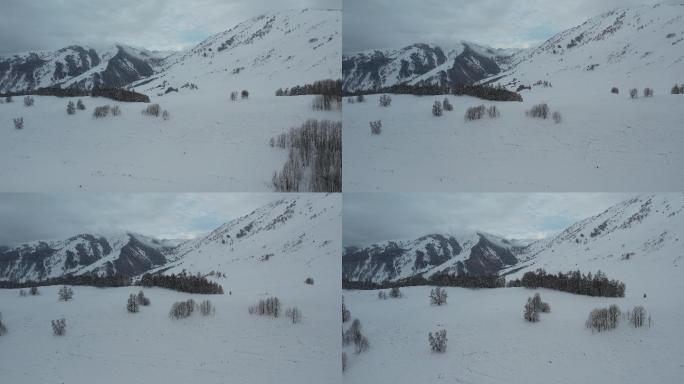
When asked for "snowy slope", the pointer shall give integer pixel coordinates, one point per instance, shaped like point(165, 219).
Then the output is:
point(78, 66)
point(635, 47)
point(462, 63)
point(261, 55)
point(643, 235)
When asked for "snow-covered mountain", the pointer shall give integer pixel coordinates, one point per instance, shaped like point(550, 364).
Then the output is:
point(464, 63)
point(304, 228)
point(78, 66)
point(264, 53)
point(645, 232)
point(643, 45)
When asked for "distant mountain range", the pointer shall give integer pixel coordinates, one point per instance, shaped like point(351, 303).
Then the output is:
point(645, 232)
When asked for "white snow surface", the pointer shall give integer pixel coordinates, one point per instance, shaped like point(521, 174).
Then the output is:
point(106, 344)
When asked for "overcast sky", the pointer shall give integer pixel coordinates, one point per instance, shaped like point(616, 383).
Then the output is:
point(153, 24)
point(28, 217)
point(372, 24)
point(374, 217)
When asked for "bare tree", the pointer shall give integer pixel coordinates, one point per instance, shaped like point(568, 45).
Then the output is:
point(475, 113)
point(116, 111)
point(376, 127)
point(395, 292)
point(438, 341)
point(530, 313)
point(294, 315)
point(638, 316)
point(385, 101)
point(438, 296)
point(182, 309)
point(28, 101)
point(132, 304)
point(539, 111)
point(65, 293)
point(437, 108)
point(19, 123)
point(614, 315)
point(557, 118)
point(3, 328)
point(493, 112)
point(633, 93)
point(206, 308)
point(152, 110)
point(648, 92)
point(71, 108)
point(59, 327)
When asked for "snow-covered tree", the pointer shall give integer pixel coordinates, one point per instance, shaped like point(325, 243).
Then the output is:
point(438, 341)
point(437, 109)
point(71, 108)
point(65, 293)
point(638, 316)
point(385, 101)
point(142, 300)
point(438, 296)
point(530, 313)
point(132, 303)
point(59, 327)
point(446, 105)
point(376, 127)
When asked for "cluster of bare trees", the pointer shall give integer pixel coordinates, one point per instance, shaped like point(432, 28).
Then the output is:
point(59, 327)
point(206, 308)
point(572, 282)
point(438, 341)
point(476, 113)
point(354, 335)
point(438, 296)
point(152, 110)
point(101, 111)
point(182, 309)
point(315, 147)
point(135, 301)
point(65, 293)
point(602, 319)
point(182, 282)
point(677, 89)
point(376, 127)
point(326, 103)
point(534, 307)
point(294, 315)
point(394, 293)
point(266, 307)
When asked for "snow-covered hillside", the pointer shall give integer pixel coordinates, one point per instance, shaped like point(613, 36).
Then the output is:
point(268, 52)
point(78, 66)
point(209, 142)
point(632, 47)
point(464, 63)
point(643, 236)
point(303, 229)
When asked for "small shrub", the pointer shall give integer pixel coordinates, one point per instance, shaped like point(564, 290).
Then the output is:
point(142, 300)
point(638, 317)
point(557, 118)
point(101, 112)
point(152, 110)
point(437, 109)
point(633, 93)
point(492, 112)
point(648, 92)
point(376, 127)
point(361, 98)
point(182, 309)
point(132, 303)
point(294, 315)
point(116, 111)
point(539, 111)
point(34, 291)
point(309, 281)
point(59, 327)
point(395, 293)
point(446, 105)
point(539, 305)
point(65, 293)
point(268, 307)
point(438, 341)
point(206, 308)
point(28, 101)
point(438, 296)
point(80, 105)
point(19, 123)
point(71, 108)
point(475, 113)
point(166, 115)
point(530, 313)
point(385, 101)
point(615, 90)
point(244, 94)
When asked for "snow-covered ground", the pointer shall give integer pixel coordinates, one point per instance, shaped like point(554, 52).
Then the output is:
point(209, 144)
point(605, 143)
point(490, 342)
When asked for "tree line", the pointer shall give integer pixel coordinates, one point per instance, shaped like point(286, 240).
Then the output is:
point(486, 92)
point(572, 282)
point(327, 87)
point(117, 94)
point(443, 280)
point(85, 280)
point(182, 282)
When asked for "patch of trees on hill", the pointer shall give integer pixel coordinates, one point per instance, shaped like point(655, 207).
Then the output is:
point(572, 282)
point(486, 92)
point(81, 280)
point(182, 282)
point(443, 280)
point(117, 94)
point(321, 87)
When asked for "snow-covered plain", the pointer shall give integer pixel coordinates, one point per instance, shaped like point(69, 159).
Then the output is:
point(605, 143)
point(490, 342)
point(209, 144)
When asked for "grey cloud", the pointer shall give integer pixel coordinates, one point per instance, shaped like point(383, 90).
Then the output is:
point(373, 24)
point(373, 217)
